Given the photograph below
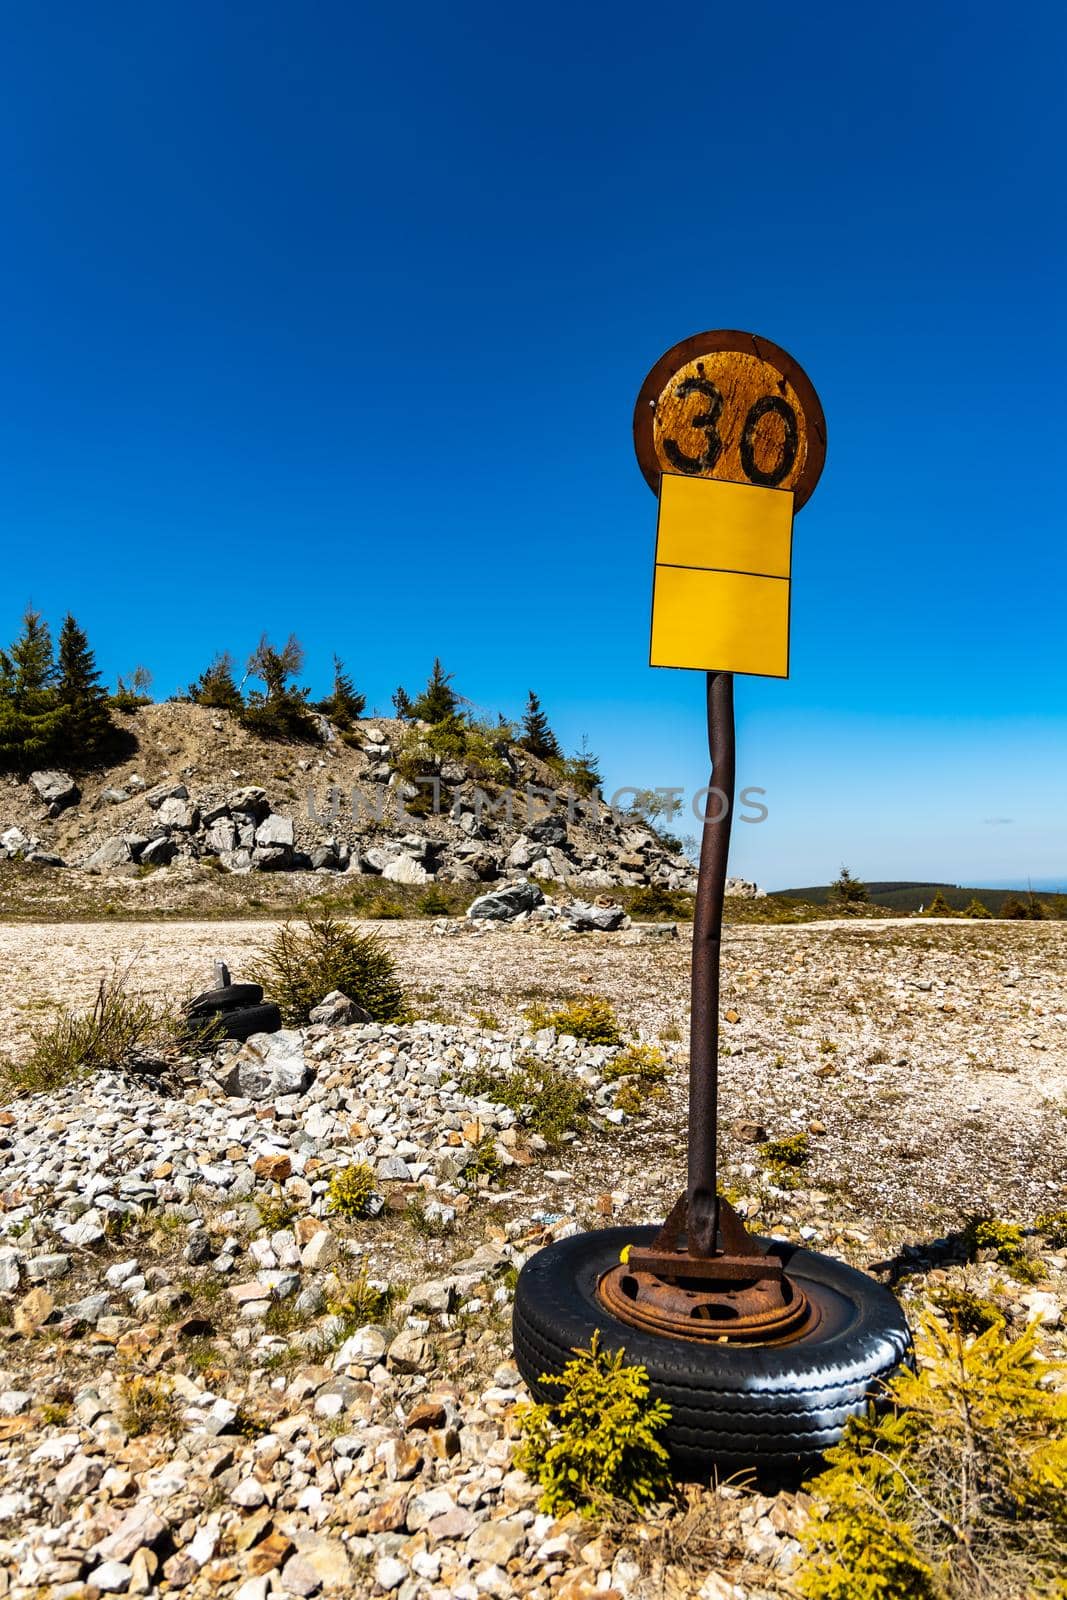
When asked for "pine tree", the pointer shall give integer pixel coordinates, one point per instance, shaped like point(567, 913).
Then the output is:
point(402, 704)
point(537, 736)
point(30, 715)
point(87, 725)
point(582, 770)
point(345, 705)
point(848, 891)
point(282, 712)
point(216, 686)
point(437, 701)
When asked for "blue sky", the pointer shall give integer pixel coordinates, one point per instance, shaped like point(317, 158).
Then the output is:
point(331, 319)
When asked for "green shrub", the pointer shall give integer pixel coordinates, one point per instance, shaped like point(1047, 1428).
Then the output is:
point(598, 1442)
point(785, 1157)
point(545, 1099)
point(1007, 1241)
point(435, 903)
point(593, 1019)
point(1053, 1224)
point(959, 1490)
point(302, 965)
point(939, 907)
point(358, 1303)
point(484, 1166)
point(351, 1191)
point(644, 1061)
point(120, 1031)
point(639, 1071)
point(654, 903)
point(976, 910)
point(970, 1313)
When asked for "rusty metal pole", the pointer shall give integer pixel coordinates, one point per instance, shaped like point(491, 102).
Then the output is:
point(702, 1204)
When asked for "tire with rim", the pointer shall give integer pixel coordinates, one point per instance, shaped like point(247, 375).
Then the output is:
point(769, 1407)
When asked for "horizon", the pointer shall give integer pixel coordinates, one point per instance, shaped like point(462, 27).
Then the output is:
point(336, 329)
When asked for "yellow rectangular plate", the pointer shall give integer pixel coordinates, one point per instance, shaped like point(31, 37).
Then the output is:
point(721, 621)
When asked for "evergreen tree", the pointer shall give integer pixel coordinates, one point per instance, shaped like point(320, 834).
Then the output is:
point(437, 701)
point(216, 686)
point(939, 906)
point(282, 712)
point(87, 726)
point(345, 705)
point(402, 704)
point(537, 736)
point(582, 770)
point(976, 909)
point(30, 715)
point(848, 891)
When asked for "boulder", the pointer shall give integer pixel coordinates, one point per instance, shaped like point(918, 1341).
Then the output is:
point(157, 852)
point(522, 854)
point(337, 1010)
point(111, 797)
point(15, 842)
point(251, 801)
point(595, 878)
point(221, 836)
point(272, 858)
point(56, 790)
point(549, 830)
point(114, 852)
point(174, 812)
point(404, 869)
point(166, 791)
point(237, 860)
point(45, 858)
point(276, 831)
point(501, 905)
point(741, 889)
point(267, 1066)
point(324, 856)
point(585, 918)
point(649, 933)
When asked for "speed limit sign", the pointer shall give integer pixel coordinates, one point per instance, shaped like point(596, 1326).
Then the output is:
point(731, 406)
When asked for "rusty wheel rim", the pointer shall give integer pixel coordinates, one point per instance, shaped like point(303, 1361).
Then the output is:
point(706, 1311)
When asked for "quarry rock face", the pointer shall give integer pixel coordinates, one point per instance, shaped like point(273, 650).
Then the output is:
point(343, 807)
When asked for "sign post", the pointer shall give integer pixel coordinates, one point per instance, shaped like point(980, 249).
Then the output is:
point(730, 435)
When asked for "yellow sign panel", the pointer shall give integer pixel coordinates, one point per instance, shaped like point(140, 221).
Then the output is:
point(721, 590)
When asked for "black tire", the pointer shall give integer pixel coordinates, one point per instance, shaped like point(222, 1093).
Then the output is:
point(227, 999)
point(772, 1408)
point(248, 1020)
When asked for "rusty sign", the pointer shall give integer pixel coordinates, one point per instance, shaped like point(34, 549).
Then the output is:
point(732, 406)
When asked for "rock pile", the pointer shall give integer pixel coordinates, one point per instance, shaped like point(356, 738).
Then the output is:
point(239, 829)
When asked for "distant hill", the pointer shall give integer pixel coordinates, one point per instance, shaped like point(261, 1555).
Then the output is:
point(904, 896)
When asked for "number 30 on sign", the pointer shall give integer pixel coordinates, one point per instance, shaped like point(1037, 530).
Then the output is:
point(733, 409)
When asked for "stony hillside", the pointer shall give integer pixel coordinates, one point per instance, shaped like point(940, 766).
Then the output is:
point(199, 789)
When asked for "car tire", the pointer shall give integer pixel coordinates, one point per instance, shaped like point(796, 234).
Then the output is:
point(773, 1408)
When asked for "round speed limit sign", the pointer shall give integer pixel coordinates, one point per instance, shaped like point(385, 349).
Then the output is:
point(734, 406)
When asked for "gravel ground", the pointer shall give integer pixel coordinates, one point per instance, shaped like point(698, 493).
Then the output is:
point(934, 1055)
point(184, 1403)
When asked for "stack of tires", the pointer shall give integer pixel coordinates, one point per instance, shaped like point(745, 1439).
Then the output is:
point(237, 1009)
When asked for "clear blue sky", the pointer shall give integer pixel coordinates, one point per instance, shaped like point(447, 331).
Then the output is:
point(330, 319)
